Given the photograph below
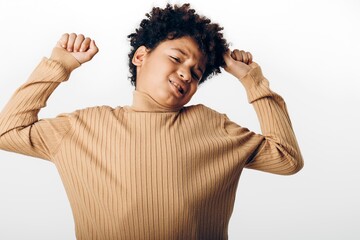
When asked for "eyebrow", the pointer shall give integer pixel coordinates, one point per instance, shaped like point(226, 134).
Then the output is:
point(185, 54)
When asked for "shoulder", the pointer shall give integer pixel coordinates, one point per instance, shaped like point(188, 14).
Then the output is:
point(203, 111)
point(103, 108)
point(93, 117)
point(93, 111)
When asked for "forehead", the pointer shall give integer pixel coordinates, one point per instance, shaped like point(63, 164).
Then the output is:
point(185, 45)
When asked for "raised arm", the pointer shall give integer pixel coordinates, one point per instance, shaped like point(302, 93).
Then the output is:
point(20, 129)
point(279, 151)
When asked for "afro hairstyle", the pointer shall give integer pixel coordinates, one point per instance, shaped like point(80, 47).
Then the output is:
point(173, 22)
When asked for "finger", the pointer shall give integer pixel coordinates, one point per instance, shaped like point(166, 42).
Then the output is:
point(78, 41)
point(228, 58)
point(244, 56)
point(85, 45)
point(93, 49)
point(250, 57)
point(71, 41)
point(238, 55)
point(247, 58)
point(233, 55)
point(63, 40)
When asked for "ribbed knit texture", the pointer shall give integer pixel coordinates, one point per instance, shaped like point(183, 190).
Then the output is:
point(144, 171)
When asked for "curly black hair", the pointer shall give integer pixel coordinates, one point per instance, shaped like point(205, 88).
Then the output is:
point(174, 22)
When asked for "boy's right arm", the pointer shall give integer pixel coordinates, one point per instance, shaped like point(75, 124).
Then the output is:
point(20, 129)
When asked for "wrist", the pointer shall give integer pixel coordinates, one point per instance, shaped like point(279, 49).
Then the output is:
point(65, 59)
point(253, 77)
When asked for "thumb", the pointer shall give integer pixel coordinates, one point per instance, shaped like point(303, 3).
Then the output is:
point(228, 59)
point(93, 49)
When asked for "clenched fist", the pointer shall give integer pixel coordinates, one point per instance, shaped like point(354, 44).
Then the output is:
point(82, 48)
point(238, 63)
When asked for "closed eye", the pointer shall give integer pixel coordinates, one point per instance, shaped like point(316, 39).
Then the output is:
point(196, 76)
point(176, 59)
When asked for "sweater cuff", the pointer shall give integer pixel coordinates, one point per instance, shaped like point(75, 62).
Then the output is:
point(65, 59)
point(256, 85)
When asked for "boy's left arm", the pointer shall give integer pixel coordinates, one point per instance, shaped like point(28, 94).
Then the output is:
point(279, 151)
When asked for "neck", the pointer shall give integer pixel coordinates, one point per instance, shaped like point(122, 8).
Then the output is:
point(143, 102)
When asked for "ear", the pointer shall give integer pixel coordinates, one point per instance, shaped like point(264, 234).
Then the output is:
point(139, 55)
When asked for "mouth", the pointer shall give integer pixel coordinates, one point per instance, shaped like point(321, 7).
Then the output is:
point(179, 88)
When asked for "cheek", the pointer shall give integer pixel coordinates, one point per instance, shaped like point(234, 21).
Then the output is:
point(193, 89)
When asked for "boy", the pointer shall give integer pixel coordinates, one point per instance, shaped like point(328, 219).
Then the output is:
point(156, 169)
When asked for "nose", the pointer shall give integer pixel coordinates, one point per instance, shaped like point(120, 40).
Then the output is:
point(184, 74)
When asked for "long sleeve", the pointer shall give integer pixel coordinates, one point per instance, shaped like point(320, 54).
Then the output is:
point(20, 129)
point(278, 151)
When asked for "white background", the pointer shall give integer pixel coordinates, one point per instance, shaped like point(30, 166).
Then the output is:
point(309, 50)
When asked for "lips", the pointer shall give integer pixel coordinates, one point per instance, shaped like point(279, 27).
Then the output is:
point(180, 88)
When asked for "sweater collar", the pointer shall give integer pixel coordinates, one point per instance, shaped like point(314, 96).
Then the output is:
point(143, 102)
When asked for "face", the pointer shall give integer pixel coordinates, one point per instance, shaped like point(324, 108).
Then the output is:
point(170, 73)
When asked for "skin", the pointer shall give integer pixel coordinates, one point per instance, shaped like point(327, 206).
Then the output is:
point(182, 64)
point(176, 81)
point(82, 48)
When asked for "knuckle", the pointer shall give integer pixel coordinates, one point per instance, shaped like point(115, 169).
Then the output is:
point(73, 35)
point(81, 35)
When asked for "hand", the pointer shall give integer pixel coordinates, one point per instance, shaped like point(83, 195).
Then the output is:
point(237, 63)
point(83, 49)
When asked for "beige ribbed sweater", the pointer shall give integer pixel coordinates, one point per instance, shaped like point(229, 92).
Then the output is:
point(144, 171)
